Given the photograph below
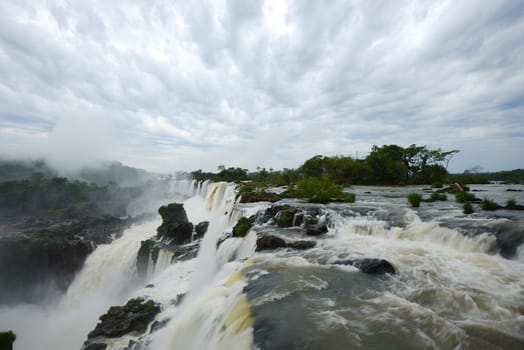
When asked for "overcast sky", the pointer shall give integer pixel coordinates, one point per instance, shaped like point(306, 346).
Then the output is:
point(183, 85)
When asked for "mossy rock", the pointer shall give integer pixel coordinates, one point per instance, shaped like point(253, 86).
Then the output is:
point(242, 227)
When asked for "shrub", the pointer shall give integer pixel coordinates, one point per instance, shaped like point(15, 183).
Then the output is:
point(437, 185)
point(414, 198)
point(320, 191)
point(7, 339)
point(242, 227)
point(468, 208)
point(439, 196)
point(488, 204)
point(464, 196)
point(511, 203)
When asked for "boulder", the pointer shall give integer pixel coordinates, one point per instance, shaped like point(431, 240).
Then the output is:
point(273, 242)
point(370, 266)
point(316, 229)
point(134, 316)
point(270, 242)
point(201, 229)
point(302, 245)
point(175, 224)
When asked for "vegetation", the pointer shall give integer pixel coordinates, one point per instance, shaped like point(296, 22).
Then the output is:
point(511, 203)
point(468, 208)
point(464, 196)
point(439, 196)
point(414, 198)
point(6, 340)
point(62, 196)
point(316, 190)
point(488, 204)
point(242, 227)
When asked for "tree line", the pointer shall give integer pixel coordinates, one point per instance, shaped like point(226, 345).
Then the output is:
point(385, 165)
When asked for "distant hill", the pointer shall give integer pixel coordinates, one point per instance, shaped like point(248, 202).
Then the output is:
point(103, 174)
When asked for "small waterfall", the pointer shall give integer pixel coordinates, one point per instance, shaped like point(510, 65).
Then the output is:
point(416, 230)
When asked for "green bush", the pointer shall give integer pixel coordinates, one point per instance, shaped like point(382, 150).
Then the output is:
point(242, 227)
point(464, 196)
point(488, 204)
point(7, 339)
point(468, 208)
point(437, 185)
point(414, 198)
point(439, 196)
point(511, 203)
point(316, 190)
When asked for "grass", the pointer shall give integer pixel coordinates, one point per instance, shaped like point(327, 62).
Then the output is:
point(414, 198)
point(439, 196)
point(468, 208)
point(511, 203)
point(464, 196)
point(488, 204)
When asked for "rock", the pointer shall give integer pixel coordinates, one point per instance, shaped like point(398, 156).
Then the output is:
point(175, 224)
point(147, 250)
point(134, 316)
point(52, 248)
point(510, 235)
point(316, 229)
point(270, 242)
point(301, 245)
point(252, 197)
point(370, 266)
point(201, 229)
point(513, 190)
point(94, 346)
point(242, 227)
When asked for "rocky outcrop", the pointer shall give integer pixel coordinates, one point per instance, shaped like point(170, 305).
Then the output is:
point(41, 255)
point(252, 197)
point(510, 235)
point(175, 224)
point(132, 318)
point(271, 242)
point(370, 266)
point(316, 229)
point(201, 229)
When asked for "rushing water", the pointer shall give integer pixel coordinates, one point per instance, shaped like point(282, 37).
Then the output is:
point(452, 290)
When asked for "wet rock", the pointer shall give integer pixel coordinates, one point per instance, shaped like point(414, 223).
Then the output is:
point(148, 251)
point(302, 245)
point(95, 346)
point(513, 190)
point(134, 316)
point(175, 224)
point(370, 266)
point(242, 227)
point(285, 218)
point(270, 242)
point(201, 229)
point(510, 235)
point(316, 229)
point(52, 248)
point(252, 197)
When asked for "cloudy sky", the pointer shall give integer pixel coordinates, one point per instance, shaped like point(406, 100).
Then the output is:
point(182, 85)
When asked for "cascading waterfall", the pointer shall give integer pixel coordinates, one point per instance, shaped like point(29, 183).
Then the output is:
point(451, 291)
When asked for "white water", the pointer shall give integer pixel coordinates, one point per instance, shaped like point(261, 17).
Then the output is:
point(446, 281)
point(106, 279)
